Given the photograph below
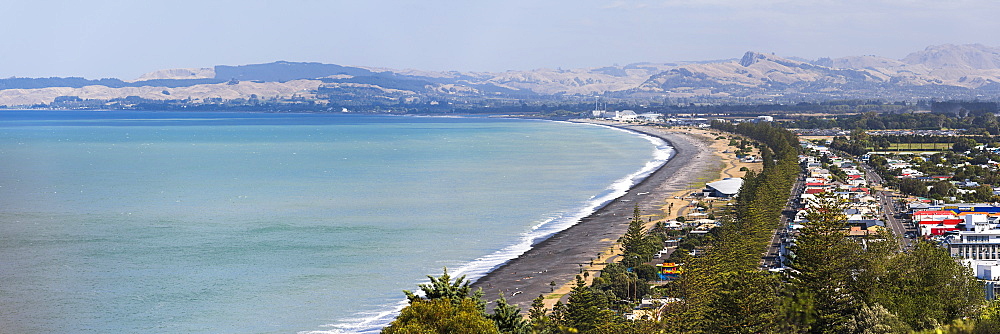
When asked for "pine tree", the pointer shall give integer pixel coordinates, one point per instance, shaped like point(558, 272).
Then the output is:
point(638, 246)
point(746, 302)
point(508, 318)
point(824, 261)
point(443, 287)
point(442, 315)
point(538, 317)
point(587, 308)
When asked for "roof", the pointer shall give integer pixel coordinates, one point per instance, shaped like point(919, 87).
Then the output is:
point(866, 222)
point(977, 209)
point(942, 222)
point(815, 191)
point(728, 186)
point(933, 213)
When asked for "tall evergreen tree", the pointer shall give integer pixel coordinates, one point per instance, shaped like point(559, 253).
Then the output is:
point(824, 262)
point(443, 287)
point(442, 315)
point(539, 319)
point(508, 318)
point(746, 302)
point(587, 308)
point(637, 246)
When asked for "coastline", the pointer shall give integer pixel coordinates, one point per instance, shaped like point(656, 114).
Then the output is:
point(591, 241)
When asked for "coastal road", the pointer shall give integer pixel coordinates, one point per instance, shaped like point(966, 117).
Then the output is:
point(560, 258)
point(771, 258)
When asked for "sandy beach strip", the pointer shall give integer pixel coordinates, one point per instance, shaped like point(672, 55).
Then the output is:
point(591, 242)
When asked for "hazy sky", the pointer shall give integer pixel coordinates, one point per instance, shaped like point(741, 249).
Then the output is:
point(106, 38)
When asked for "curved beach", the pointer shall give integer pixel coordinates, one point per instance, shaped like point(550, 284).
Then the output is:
point(561, 257)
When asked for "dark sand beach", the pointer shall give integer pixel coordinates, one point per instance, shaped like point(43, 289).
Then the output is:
point(561, 257)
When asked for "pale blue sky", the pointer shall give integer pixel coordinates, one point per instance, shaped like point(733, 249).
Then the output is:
point(107, 38)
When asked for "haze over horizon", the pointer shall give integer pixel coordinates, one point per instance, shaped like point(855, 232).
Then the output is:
point(124, 39)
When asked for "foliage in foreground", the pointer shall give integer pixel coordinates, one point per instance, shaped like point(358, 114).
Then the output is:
point(452, 307)
point(443, 315)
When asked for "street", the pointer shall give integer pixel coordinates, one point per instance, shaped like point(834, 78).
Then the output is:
point(889, 209)
point(771, 256)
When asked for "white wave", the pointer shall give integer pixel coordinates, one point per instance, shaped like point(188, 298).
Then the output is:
point(373, 322)
point(367, 322)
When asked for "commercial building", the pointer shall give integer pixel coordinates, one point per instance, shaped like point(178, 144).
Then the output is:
point(728, 187)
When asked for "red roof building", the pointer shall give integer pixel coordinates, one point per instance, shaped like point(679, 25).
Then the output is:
point(932, 214)
point(939, 227)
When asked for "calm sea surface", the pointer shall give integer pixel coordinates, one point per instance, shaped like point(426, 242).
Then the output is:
point(167, 222)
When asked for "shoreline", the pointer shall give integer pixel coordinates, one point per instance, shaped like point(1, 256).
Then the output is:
point(592, 240)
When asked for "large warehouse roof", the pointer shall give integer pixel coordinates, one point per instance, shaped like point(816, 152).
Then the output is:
point(729, 186)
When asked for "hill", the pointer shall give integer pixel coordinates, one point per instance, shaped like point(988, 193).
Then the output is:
point(946, 71)
point(937, 72)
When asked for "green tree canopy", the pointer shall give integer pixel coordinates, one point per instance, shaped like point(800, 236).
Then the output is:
point(443, 287)
point(442, 315)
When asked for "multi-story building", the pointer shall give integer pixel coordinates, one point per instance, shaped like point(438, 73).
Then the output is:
point(978, 240)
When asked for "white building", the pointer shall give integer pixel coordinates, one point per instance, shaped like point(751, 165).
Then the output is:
point(728, 187)
point(979, 239)
point(618, 115)
point(987, 271)
point(625, 115)
point(651, 117)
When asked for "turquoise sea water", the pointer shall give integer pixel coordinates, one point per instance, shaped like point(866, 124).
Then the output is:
point(166, 222)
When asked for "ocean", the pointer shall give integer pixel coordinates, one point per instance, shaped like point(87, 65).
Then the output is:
point(225, 222)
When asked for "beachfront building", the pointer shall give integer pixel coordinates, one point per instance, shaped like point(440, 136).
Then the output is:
point(670, 271)
point(622, 115)
point(651, 117)
point(728, 187)
point(688, 121)
point(625, 116)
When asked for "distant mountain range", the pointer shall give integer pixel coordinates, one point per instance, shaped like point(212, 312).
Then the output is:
point(937, 72)
point(942, 71)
